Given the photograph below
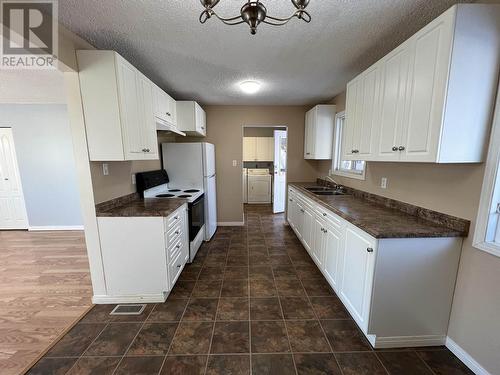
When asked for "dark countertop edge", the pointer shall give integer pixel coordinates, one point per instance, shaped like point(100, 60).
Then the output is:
point(451, 233)
point(107, 209)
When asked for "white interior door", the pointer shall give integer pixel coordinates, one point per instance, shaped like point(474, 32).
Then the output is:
point(12, 207)
point(280, 166)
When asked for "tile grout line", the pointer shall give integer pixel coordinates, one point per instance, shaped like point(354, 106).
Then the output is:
point(178, 325)
point(283, 314)
point(131, 342)
point(218, 303)
point(87, 348)
point(425, 363)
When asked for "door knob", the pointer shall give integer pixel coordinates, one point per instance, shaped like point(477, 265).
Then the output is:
point(370, 250)
point(402, 148)
point(6, 179)
point(395, 148)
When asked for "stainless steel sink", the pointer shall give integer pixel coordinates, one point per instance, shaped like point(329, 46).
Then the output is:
point(323, 190)
point(328, 193)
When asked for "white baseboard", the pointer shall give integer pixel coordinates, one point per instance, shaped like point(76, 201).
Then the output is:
point(231, 224)
point(149, 298)
point(36, 228)
point(465, 357)
point(406, 341)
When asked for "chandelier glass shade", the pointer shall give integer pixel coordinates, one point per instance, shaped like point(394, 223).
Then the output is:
point(254, 13)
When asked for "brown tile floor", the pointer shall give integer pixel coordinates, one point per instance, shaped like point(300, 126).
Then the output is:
point(252, 302)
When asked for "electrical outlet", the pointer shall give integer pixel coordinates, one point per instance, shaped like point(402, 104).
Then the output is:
point(383, 183)
point(133, 178)
point(105, 169)
point(235, 163)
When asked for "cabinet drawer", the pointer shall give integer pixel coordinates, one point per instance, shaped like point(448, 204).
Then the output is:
point(173, 219)
point(174, 234)
point(174, 248)
point(175, 268)
point(329, 217)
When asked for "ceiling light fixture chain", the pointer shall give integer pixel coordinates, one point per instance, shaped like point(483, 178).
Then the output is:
point(254, 13)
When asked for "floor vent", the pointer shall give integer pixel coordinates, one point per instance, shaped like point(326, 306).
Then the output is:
point(128, 310)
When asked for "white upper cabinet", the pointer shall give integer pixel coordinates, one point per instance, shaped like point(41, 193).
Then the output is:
point(258, 149)
point(191, 118)
point(165, 108)
point(118, 108)
point(318, 137)
point(431, 99)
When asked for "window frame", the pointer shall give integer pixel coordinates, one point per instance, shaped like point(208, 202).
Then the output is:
point(337, 152)
point(490, 182)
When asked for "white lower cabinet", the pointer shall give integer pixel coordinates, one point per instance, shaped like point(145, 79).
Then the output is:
point(142, 256)
point(357, 270)
point(398, 290)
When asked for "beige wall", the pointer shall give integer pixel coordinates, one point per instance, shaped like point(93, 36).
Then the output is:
point(225, 130)
point(119, 181)
point(455, 190)
point(260, 132)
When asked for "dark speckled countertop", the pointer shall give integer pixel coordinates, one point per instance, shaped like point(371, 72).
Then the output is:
point(379, 220)
point(134, 206)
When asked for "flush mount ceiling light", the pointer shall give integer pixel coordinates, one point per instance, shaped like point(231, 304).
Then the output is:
point(254, 12)
point(250, 87)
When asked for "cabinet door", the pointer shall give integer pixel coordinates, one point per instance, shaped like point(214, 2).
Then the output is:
point(307, 228)
point(395, 84)
point(172, 110)
point(332, 256)
point(357, 275)
point(249, 146)
point(428, 84)
point(290, 209)
point(299, 219)
point(129, 110)
point(318, 243)
point(201, 120)
point(309, 134)
point(363, 138)
point(147, 124)
point(351, 131)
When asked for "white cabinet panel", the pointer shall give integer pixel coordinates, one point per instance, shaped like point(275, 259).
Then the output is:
point(165, 108)
point(147, 122)
point(333, 256)
point(351, 130)
point(318, 137)
point(357, 274)
point(318, 241)
point(258, 149)
point(395, 84)
point(249, 147)
point(191, 118)
point(129, 109)
point(307, 227)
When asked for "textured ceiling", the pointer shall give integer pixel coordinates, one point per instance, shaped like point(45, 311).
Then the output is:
point(298, 63)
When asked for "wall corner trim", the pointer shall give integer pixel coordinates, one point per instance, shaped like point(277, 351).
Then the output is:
point(465, 357)
point(54, 227)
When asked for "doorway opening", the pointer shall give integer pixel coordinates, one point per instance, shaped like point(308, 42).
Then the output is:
point(264, 168)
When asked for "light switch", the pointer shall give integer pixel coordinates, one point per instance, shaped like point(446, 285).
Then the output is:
point(133, 178)
point(235, 163)
point(105, 169)
point(383, 183)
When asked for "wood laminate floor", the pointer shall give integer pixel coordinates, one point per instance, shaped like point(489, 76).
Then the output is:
point(44, 288)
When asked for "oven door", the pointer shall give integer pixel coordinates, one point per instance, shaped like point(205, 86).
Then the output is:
point(196, 217)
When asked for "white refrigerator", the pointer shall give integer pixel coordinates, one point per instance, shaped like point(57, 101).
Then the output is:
point(192, 165)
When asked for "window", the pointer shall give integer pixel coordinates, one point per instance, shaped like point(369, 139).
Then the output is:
point(487, 235)
point(346, 168)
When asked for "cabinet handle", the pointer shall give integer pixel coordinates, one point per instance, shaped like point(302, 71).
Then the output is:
point(177, 232)
point(395, 148)
point(179, 266)
point(402, 148)
point(370, 250)
point(308, 153)
point(178, 247)
point(291, 200)
point(203, 127)
point(302, 211)
point(324, 214)
point(168, 114)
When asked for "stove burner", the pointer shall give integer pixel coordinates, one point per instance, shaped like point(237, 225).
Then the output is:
point(185, 196)
point(174, 190)
point(191, 191)
point(165, 196)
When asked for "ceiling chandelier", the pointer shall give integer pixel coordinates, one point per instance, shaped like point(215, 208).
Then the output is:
point(253, 13)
